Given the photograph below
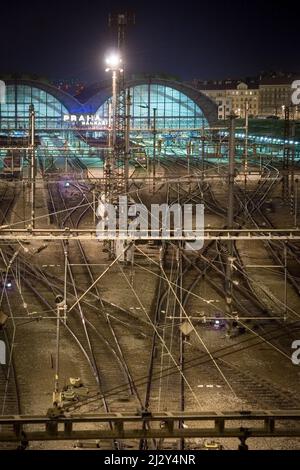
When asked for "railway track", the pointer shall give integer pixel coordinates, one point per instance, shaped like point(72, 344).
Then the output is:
point(9, 386)
point(102, 319)
point(244, 385)
point(92, 327)
point(98, 337)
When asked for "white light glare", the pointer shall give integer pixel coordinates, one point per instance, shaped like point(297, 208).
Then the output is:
point(113, 60)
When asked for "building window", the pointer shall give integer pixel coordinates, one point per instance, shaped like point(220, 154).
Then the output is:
point(15, 113)
point(174, 110)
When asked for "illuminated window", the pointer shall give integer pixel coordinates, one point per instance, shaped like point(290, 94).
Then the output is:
point(174, 110)
point(15, 112)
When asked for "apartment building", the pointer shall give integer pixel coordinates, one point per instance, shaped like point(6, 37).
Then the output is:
point(232, 96)
point(264, 95)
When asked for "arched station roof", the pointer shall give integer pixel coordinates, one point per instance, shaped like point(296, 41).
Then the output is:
point(71, 103)
point(97, 94)
point(102, 93)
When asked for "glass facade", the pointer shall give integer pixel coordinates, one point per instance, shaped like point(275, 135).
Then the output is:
point(14, 114)
point(174, 110)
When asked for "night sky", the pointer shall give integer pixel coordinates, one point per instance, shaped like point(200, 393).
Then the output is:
point(211, 39)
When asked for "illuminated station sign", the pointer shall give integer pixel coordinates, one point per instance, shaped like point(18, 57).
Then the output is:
point(85, 120)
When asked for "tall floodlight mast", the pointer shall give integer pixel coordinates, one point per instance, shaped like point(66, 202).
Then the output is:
point(113, 160)
point(120, 106)
point(116, 168)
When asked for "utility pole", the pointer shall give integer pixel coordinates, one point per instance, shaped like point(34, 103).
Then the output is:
point(66, 249)
point(296, 202)
point(182, 341)
point(231, 172)
point(154, 146)
point(230, 217)
point(285, 278)
point(56, 382)
point(286, 154)
point(60, 306)
point(32, 166)
point(246, 140)
point(292, 172)
point(188, 155)
point(127, 139)
point(203, 151)
point(246, 155)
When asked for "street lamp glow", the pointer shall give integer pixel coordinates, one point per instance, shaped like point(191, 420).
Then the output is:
point(113, 61)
